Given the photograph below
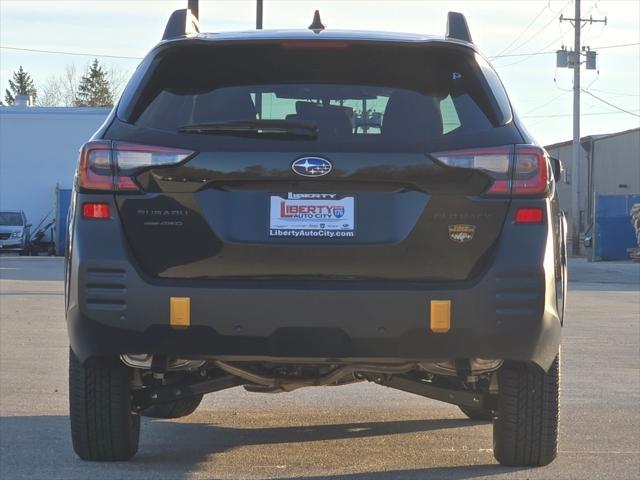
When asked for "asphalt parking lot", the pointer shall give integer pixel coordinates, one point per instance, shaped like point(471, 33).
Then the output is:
point(359, 431)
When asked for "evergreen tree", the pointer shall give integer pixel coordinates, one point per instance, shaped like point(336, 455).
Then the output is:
point(20, 84)
point(94, 89)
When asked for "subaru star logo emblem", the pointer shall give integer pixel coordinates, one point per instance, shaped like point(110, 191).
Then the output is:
point(311, 166)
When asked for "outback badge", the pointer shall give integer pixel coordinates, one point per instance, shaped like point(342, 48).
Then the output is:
point(461, 233)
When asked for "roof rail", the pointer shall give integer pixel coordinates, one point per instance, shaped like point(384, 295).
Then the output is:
point(457, 27)
point(183, 22)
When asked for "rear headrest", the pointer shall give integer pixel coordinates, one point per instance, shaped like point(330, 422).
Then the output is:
point(223, 105)
point(412, 116)
point(308, 108)
point(302, 107)
point(331, 119)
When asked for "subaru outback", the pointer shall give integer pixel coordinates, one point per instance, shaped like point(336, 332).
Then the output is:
point(287, 209)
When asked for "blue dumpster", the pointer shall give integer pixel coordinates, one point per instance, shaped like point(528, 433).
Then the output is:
point(62, 203)
point(614, 234)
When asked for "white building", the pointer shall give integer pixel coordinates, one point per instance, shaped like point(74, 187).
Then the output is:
point(39, 150)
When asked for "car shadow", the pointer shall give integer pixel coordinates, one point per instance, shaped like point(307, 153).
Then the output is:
point(214, 438)
point(457, 472)
point(34, 447)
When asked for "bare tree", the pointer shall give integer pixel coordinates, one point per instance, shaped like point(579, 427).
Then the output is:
point(117, 78)
point(50, 94)
point(62, 90)
point(69, 82)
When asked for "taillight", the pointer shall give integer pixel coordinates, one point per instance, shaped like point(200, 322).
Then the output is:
point(96, 211)
point(531, 171)
point(110, 166)
point(520, 171)
point(495, 161)
point(95, 171)
point(529, 215)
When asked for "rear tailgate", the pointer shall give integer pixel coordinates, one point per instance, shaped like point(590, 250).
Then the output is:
point(388, 209)
point(403, 229)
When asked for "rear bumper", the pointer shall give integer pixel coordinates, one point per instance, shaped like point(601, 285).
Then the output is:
point(353, 326)
point(506, 313)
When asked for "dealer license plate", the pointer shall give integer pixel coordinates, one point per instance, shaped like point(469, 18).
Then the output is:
point(312, 215)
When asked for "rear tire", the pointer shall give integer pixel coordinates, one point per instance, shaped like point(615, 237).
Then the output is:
point(483, 415)
point(525, 432)
point(103, 427)
point(177, 409)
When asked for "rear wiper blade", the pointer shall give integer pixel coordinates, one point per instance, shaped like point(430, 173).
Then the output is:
point(273, 128)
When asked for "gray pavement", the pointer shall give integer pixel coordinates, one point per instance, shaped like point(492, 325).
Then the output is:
point(359, 431)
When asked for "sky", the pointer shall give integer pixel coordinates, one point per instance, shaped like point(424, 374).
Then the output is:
point(508, 31)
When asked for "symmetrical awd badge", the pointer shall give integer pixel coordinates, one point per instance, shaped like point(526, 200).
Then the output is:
point(461, 233)
point(311, 166)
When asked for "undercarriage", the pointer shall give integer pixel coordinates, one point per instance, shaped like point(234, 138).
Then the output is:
point(158, 380)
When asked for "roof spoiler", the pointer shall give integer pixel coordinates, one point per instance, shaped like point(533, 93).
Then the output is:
point(183, 22)
point(457, 27)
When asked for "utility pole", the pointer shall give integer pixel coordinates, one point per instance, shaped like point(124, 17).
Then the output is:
point(573, 60)
point(258, 98)
point(258, 14)
point(577, 149)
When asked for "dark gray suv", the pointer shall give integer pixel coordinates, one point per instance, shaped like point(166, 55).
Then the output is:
point(285, 209)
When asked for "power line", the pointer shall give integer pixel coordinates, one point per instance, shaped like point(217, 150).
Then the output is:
point(555, 83)
point(541, 52)
point(523, 31)
point(57, 52)
point(583, 115)
point(552, 10)
point(531, 55)
point(609, 103)
point(598, 10)
point(545, 104)
point(125, 57)
point(546, 25)
point(540, 119)
point(615, 93)
point(554, 51)
point(594, 80)
point(616, 46)
point(590, 37)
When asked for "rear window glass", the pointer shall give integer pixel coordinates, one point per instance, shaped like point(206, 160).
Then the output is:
point(450, 119)
point(360, 95)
